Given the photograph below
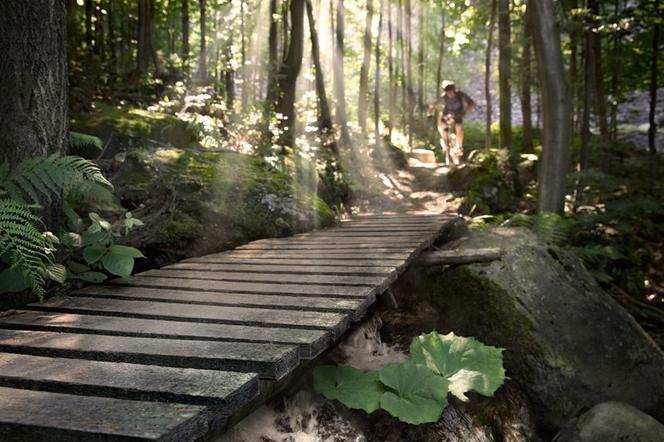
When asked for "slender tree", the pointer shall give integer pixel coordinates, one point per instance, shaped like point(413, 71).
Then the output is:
point(652, 130)
point(441, 52)
point(377, 79)
point(555, 105)
point(409, 66)
point(526, 105)
point(290, 70)
point(89, 11)
point(487, 76)
point(588, 67)
point(339, 86)
point(185, 36)
point(202, 56)
point(364, 71)
point(599, 97)
point(420, 63)
point(505, 85)
point(272, 55)
point(390, 70)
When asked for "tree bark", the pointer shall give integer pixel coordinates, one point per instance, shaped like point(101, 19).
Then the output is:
point(33, 79)
point(272, 56)
point(555, 100)
point(339, 86)
point(487, 77)
point(243, 58)
point(402, 64)
point(504, 70)
point(202, 57)
point(526, 80)
point(420, 63)
point(185, 37)
point(288, 74)
point(390, 70)
point(652, 130)
point(89, 10)
point(146, 49)
point(324, 117)
point(598, 83)
point(364, 71)
point(112, 42)
point(409, 66)
point(587, 97)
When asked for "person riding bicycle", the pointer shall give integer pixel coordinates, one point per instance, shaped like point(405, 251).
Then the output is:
point(455, 105)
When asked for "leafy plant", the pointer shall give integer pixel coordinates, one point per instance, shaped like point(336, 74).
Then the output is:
point(416, 391)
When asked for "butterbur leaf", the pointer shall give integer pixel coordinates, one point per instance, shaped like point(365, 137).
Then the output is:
point(350, 386)
point(120, 260)
point(95, 277)
point(126, 250)
point(94, 253)
point(11, 281)
point(465, 362)
point(416, 394)
point(57, 272)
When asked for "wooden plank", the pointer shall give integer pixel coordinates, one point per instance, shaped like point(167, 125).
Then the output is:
point(362, 254)
point(37, 416)
point(459, 256)
point(369, 233)
point(335, 322)
point(272, 361)
point(288, 262)
point(248, 287)
point(223, 390)
point(256, 267)
point(323, 246)
point(355, 306)
point(351, 280)
point(309, 342)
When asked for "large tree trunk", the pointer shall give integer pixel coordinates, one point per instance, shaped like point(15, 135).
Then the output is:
point(487, 76)
point(339, 86)
point(185, 37)
point(202, 57)
point(33, 79)
point(146, 49)
point(324, 117)
point(526, 80)
point(288, 74)
point(554, 161)
point(652, 130)
point(363, 98)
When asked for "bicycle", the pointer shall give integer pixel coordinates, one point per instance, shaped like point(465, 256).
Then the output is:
point(448, 141)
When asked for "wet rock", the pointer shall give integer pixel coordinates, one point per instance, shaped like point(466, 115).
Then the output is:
point(612, 422)
point(569, 344)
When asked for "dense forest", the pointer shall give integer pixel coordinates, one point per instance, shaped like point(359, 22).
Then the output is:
point(137, 133)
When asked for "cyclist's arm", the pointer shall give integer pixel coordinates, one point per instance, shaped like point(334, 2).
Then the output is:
point(468, 103)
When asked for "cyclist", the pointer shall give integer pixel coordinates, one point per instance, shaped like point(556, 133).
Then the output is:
point(455, 105)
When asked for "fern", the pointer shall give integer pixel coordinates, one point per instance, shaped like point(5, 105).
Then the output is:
point(79, 142)
point(549, 227)
point(36, 179)
point(22, 245)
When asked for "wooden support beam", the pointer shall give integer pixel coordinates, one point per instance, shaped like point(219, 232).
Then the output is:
point(458, 256)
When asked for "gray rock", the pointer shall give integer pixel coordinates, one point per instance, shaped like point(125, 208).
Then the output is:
point(569, 344)
point(612, 422)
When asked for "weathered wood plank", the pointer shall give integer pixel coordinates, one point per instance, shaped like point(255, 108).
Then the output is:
point(377, 254)
point(224, 390)
point(285, 262)
point(371, 232)
point(272, 361)
point(336, 322)
point(37, 416)
point(355, 306)
point(324, 246)
point(247, 287)
point(338, 280)
point(256, 267)
point(309, 342)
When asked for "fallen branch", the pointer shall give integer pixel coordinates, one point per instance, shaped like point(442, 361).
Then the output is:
point(458, 256)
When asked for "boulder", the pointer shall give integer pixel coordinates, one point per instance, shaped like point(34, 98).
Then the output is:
point(568, 343)
point(612, 422)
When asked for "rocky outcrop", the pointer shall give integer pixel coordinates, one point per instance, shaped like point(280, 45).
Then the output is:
point(612, 422)
point(569, 344)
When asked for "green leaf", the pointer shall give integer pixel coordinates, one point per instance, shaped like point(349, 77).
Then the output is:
point(95, 277)
point(12, 281)
point(417, 395)
point(94, 253)
point(465, 362)
point(120, 260)
point(72, 240)
point(77, 267)
point(57, 272)
point(350, 386)
point(90, 238)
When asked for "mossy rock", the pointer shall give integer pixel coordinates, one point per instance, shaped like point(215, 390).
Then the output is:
point(134, 128)
point(569, 344)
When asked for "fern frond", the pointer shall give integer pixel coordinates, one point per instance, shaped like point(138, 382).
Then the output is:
point(23, 245)
point(40, 178)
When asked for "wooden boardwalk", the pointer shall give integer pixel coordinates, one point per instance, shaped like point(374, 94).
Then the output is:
point(171, 354)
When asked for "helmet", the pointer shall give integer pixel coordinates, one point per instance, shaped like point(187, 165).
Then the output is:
point(448, 85)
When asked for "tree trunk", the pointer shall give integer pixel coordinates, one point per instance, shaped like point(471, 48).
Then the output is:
point(202, 57)
point(402, 65)
point(598, 83)
point(441, 52)
point(377, 80)
point(143, 53)
point(243, 54)
point(409, 65)
point(339, 86)
point(272, 56)
point(288, 74)
point(185, 37)
point(505, 78)
point(364, 71)
point(615, 72)
point(420, 64)
point(652, 130)
point(526, 80)
point(390, 70)
point(554, 161)
point(99, 32)
point(587, 98)
point(112, 42)
point(33, 79)
point(324, 117)
point(89, 10)
point(487, 76)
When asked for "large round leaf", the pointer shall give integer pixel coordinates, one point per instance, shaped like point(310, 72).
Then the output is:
point(417, 395)
point(465, 362)
point(350, 386)
point(120, 260)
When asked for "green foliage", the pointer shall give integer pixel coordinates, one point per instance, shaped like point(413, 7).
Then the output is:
point(84, 145)
point(416, 391)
